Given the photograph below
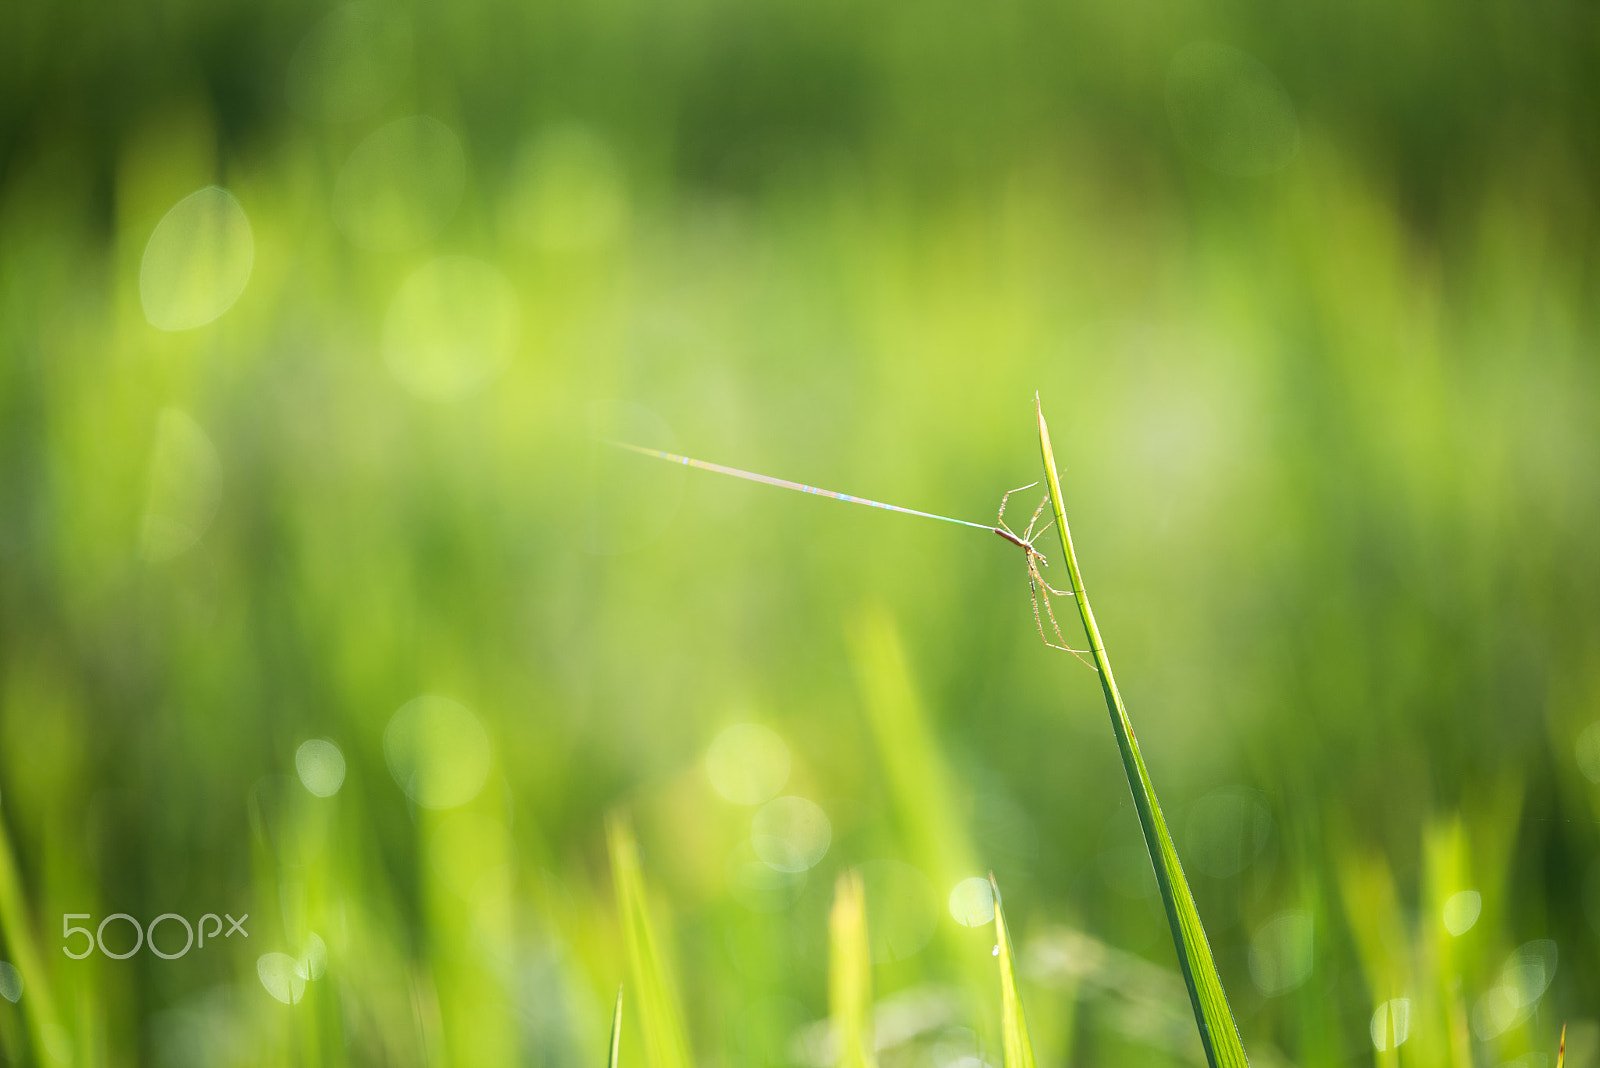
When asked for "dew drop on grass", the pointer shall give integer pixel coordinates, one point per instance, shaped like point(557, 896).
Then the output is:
point(748, 764)
point(197, 261)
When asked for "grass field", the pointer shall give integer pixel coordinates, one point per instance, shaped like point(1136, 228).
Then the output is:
point(322, 601)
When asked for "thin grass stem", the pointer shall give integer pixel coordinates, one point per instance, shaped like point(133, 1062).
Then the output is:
point(1218, 1032)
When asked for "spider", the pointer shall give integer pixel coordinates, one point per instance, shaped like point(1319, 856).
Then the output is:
point(1038, 588)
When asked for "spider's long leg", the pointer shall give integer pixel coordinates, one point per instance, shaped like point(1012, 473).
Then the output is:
point(1035, 582)
point(1038, 621)
point(1037, 512)
point(1000, 518)
point(1058, 593)
point(1054, 645)
point(1037, 576)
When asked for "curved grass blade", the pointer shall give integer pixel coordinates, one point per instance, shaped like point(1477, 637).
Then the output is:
point(1013, 1024)
point(1218, 1031)
point(1561, 1054)
point(660, 1018)
point(616, 1031)
point(850, 973)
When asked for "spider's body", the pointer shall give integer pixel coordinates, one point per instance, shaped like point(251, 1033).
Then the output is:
point(1037, 586)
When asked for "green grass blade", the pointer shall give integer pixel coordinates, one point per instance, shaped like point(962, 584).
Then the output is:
point(1013, 1025)
point(16, 933)
point(920, 782)
point(616, 1031)
point(850, 973)
point(655, 992)
point(915, 771)
point(1218, 1031)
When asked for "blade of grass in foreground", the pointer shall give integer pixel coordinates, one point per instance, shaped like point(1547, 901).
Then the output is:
point(850, 973)
point(656, 995)
point(1218, 1032)
point(616, 1031)
point(16, 933)
point(1013, 1025)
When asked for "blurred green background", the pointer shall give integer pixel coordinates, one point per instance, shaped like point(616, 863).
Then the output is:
point(320, 602)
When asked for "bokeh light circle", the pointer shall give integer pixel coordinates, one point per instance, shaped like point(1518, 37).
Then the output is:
point(748, 763)
point(437, 752)
point(1226, 831)
point(197, 261)
point(451, 329)
point(1461, 911)
point(1532, 968)
point(1281, 952)
point(972, 902)
point(320, 766)
point(401, 185)
point(185, 487)
point(313, 961)
point(1391, 1024)
point(279, 974)
point(758, 886)
point(10, 982)
point(791, 834)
